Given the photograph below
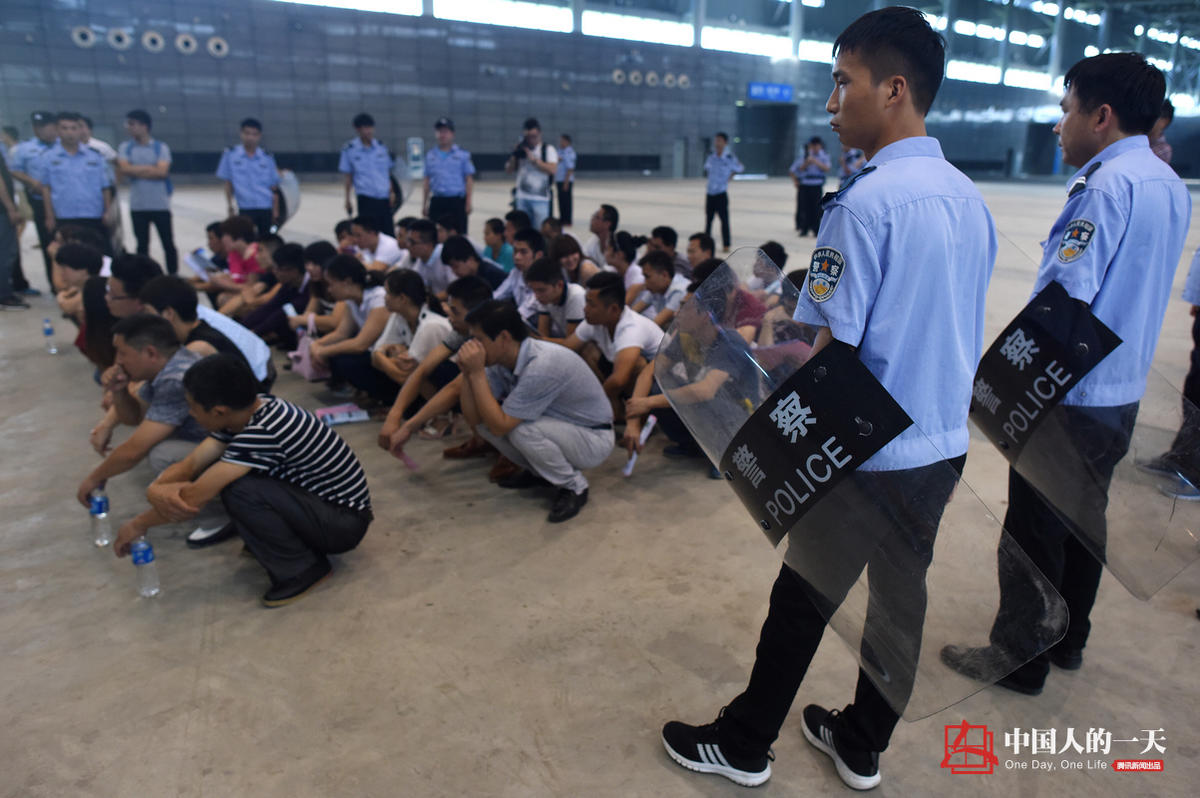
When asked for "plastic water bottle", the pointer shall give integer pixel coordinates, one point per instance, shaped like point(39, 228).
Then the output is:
point(48, 334)
point(143, 558)
point(101, 526)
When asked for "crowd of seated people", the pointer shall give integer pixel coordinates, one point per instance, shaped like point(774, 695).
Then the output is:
point(536, 346)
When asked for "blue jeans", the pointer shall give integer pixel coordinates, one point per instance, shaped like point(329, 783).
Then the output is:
point(538, 210)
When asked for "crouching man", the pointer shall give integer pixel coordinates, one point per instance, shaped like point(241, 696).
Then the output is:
point(537, 402)
point(290, 484)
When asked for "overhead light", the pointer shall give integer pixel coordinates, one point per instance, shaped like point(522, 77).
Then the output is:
point(1091, 50)
point(1138, 30)
point(973, 72)
point(638, 29)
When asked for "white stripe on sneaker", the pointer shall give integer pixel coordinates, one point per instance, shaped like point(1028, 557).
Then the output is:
point(720, 756)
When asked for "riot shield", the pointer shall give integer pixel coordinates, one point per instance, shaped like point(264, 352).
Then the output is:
point(402, 182)
point(1100, 468)
point(900, 562)
point(289, 197)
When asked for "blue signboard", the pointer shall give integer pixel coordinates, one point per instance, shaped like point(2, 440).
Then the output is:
point(772, 92)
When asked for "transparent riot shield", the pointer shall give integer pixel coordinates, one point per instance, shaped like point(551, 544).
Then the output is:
point(1123, 477)
point(900, 562)
point(402, 182)
point(289, 196)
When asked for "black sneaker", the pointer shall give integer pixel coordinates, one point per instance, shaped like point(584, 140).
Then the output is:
point(1069, 659)
point(13, 303)
point(978, 663)
point(698, 748)
point(522, 479)
point(202, 537)
point(858, 769)
point(289, 590)
point(1160, 466)
point(567, 504)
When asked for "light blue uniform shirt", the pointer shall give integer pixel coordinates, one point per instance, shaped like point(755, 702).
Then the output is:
point(720, 168)
point(26, 155)
point(253, 177)
point(566, 163)
point(371, 167)
point(811, 175)
point(76, 182)
point(901, 271)
point(1191, 288)
point(448, 171)
point(1116, 245)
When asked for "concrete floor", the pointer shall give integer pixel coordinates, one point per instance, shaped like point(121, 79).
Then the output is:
point(468, 648)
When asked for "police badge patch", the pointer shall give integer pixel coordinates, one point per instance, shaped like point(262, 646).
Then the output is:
point(824, 273)
point(1075, 240)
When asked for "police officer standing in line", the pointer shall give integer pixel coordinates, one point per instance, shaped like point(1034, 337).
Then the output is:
point(910, 225)
point(720, 166)
point(367, 165)
point(564, 180)
point(45, 134)
point(449, 177)
point(250, 176)
point(1115, 246)
point(76, 181)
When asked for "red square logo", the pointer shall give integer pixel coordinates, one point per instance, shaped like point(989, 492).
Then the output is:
point(969, 749)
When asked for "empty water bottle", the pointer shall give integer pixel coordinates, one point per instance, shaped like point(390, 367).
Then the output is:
point(143, 557)
point(48, 334)
point(101, 526)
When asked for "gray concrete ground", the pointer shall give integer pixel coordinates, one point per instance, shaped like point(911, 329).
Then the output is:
point(468, 648)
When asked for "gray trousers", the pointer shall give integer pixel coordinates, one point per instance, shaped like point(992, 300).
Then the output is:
point(168, 453)
point(554, 450)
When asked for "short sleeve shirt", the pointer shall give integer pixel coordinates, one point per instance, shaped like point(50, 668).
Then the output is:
point(387, 250)
point(533, 183)
point(372, 298)
point(568, 310)
point(146, 194)
point(721, 168)
point(551, 381)
point(448, 171)
point(436, 274)
point(566, 163)
point(167, 399)
point(76, 182)
point(670, 299)
point(370, 167)
point(26, 154)
point(633, 330)
point(252, 176)
point(242, 266)
point(811, 175)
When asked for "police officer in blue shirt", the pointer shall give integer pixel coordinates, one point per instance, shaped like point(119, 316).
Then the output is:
point(45, 134)
point(911, 226)
point(367, 165)
point(564, 179)
point(250, 176)
point(720, 166)
point(808, 175)
point(74, 179)
point(1115, 246)
point(449, 177)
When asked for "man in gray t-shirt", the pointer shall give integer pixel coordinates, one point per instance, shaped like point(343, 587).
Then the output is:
point(535, 401)
point(146, 162)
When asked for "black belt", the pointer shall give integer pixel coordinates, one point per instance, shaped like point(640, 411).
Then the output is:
point(601, 426)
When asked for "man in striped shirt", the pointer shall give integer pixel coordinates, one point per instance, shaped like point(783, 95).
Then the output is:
point(294, 489)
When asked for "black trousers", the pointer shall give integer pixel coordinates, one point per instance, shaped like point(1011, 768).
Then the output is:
point(380, 210)
point(263, 218)
point(1101, 435)
point(1185, 450)
point(717, 205)
point(288, 529)
point(892, 536)
point(38, 207)
point(95, 224)
point(453, 206)
point(356, 369)
point(808, 209)
point(162, 223)
point(566, 207)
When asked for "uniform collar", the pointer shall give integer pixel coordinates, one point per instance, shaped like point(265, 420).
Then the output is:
point(358, 141)
point(911, 147)
point(257, 152)
point(1118, 147)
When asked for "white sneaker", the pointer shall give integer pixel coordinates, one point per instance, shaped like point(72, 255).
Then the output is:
point(204, 536)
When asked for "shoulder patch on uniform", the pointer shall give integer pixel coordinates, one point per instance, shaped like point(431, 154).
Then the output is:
point(824, 273)
point(1075, 240)
point(832, 195)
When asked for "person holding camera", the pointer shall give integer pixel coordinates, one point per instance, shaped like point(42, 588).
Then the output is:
point(808, 175)
point(535, 163)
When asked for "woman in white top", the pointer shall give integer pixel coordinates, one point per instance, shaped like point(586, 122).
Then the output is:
point(346, 350)
point(621, 255)
point(417, 324)
point(566, 253)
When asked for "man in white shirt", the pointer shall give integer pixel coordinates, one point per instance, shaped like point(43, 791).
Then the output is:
point(425, 257)
point(560, 305)
point(535, 163)
point(376, 249)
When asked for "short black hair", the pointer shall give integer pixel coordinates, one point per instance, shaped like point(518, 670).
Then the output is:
point(346, 267)
point(665, 234)
point(79, 257)
point(555, 224)
point(567, 136)
point(497, 316)
point(406, 221)
point(448, 221)
point(251, 122)
point(320, 253)
point(472, 291)
point(702, 271)
point(366, 223)
point(424, 230)
point(797, 277)
point(531, 123)
point(659, 261)
point(270, 242)
point(406, 282)
point(134, 271)
point(519, 219)
point(170, 291)
point(11, 131)
point(289, 256)
point(544, 270)
point(87, 120)
point(1167, 113)
point(721, 134)
point(458, 248)
point(495, 225)
point(145, 329)
point(342, 228)
point(363, 120)
point(240, 228)
point(775, 251)
point(610, 215)
point(898, 41)
point(214, 228)
point(1126, 82)
point(535, 240)
point(609, 288)
point(69, 116)
point(704, 241)
point(222, 379)
point(138, 115)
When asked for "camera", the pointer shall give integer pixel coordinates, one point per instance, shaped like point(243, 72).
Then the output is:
point(520, 152)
